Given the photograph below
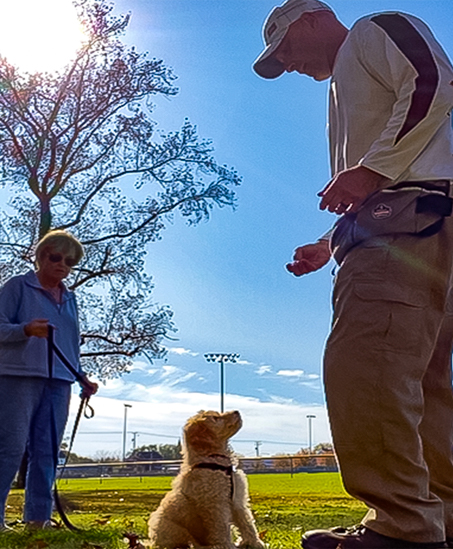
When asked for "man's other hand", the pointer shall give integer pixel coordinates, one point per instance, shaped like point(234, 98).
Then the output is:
point(309, 258)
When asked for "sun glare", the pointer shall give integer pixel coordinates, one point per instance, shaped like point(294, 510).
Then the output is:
point(39, 35)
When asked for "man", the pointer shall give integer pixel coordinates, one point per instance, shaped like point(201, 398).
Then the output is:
point(387, 370)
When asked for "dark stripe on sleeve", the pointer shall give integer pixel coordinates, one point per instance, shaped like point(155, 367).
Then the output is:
point(414, 47)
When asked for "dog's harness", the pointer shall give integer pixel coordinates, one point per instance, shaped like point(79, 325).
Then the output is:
point(227, 469)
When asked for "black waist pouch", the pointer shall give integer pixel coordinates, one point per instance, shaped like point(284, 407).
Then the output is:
point(410, 210)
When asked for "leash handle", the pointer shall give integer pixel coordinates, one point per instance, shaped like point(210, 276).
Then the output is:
point(88, 410)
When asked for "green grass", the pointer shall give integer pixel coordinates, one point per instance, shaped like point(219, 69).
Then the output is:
point(283, 506)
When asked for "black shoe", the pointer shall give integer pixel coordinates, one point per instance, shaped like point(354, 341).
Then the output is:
point(359, 537)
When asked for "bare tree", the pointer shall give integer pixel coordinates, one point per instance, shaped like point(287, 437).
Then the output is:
point(79, 151)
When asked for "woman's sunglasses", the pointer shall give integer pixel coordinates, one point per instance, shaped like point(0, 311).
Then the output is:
point(56, 258)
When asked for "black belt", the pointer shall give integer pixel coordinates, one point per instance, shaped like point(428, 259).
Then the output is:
point(442, 185)
point(442, 205)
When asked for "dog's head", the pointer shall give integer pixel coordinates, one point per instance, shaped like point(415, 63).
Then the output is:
point(208, 432)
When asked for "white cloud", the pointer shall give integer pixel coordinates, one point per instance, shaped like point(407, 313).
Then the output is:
point(291, 373)
point(172, 375)
point(181, 351)
point(168, 370)
point(143, 367)
point(282, 400)
point(159, 412)
point(265, 369)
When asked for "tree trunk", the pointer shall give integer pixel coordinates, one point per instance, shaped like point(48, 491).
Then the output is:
point(46, 218)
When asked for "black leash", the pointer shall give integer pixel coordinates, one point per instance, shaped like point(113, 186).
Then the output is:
point(51, 349)
point(84, 408)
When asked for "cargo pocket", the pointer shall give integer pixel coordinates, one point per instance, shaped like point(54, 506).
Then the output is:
point(402, 315)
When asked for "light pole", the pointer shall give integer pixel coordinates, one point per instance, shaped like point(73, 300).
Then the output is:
point(257, 447)
point(310, 418)
point(126, 406)
point(221, 358)
point(135, 435)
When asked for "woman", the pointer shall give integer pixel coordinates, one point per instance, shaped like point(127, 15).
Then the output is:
point(33, 401)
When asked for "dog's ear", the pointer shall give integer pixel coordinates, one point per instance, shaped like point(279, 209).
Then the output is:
point(199, 435)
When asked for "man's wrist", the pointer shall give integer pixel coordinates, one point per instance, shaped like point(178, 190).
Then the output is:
point(375, 179)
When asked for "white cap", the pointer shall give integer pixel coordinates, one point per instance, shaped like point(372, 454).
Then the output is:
point(274, 30)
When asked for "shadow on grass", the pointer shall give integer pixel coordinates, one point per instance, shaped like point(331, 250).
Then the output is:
point(63, 539)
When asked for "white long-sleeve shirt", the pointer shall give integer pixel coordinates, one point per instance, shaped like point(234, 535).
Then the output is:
point(391, 98)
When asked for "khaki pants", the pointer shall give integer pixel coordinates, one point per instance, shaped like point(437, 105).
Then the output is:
point(388, 383)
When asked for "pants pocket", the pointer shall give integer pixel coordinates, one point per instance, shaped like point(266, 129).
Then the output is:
point(401, 312)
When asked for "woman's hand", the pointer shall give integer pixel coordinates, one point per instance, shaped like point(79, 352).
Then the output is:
point(39, 327)
point(89, 388)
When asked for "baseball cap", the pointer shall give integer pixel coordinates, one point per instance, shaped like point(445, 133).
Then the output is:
point(274, 30)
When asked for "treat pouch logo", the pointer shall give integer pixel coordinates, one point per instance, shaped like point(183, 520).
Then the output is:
point(381, 211)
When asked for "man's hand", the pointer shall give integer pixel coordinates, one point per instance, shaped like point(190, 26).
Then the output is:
point(39, 327)
point(309, 258)
point(349, 188)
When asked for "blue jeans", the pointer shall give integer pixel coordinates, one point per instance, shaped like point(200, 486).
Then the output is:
point(26, 408)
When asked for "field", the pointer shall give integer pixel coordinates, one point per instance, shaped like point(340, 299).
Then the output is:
point(283, 506)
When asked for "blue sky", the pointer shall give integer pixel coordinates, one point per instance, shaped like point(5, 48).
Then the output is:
point(225, 279)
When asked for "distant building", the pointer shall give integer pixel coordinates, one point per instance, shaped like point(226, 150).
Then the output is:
point(145, 455)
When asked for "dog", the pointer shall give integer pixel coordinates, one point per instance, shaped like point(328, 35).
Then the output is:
point(208, 496)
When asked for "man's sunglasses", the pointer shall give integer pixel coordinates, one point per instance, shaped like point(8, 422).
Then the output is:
point(56, 258)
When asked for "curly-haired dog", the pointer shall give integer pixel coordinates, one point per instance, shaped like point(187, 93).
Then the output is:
point(208, 495)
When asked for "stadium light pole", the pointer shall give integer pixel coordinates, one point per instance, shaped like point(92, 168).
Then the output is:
point(310, 418)
point(126, 406)
point(221, 358)
point(257, 447)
